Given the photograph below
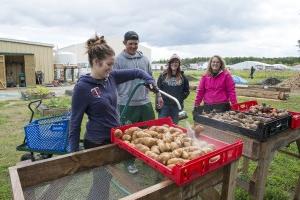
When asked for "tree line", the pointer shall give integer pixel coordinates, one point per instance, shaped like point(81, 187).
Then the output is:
point(233, 60)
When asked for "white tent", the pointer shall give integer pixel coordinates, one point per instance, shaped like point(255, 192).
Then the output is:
point(281, 67)
point(295, 68)
point(246, 65)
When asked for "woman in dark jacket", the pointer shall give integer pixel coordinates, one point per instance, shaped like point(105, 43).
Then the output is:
point(96, 95)
point(173, 82)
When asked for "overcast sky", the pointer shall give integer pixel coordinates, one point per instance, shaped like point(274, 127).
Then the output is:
point(194, 28)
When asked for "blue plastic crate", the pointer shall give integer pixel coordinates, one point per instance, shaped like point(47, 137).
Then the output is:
point(48, 134)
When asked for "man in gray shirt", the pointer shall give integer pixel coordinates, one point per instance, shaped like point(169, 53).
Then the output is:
point(140, 108)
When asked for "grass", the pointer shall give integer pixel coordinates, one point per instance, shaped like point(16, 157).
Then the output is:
point(283, 172)
point(258, 75)
point(61, 102)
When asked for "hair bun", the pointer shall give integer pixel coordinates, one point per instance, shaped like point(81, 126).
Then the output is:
point(93, 42)
point(101, 40)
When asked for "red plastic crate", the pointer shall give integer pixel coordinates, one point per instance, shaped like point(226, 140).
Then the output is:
point(182, 174)
point(244, 106)
point(295, 123)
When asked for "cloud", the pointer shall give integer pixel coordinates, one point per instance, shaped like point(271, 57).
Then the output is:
point(161, 24)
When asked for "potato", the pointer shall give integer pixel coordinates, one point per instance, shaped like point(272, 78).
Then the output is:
point(187, 144)
point(185, 155)
point(152, 155)
point(148, 141)
point(175, 161)
point(171, 166)
point(167, 137)
point(152, 128)
point(153, 134)
point(164, 157)
point(142, 148)
point(190, 148)
point(129, 143)
point(198, 129)
point(162, 129)
point(126, 137)
point(174, 146)
point(118, 133)
point(195, 154)
point(206, 149)
point(187, 139)
point(168, 147)
point(163, 147)
point(179, 142)
point(176, 134)
point(173, 130)
point(155, 149)
point(130, 130)
point(141, 134)
point(177, 153)
point(137, 141)
point(134, 136)
point(160, 136)
point(182, 136)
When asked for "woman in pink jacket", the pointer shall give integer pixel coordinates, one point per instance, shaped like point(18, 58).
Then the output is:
point(216, 87)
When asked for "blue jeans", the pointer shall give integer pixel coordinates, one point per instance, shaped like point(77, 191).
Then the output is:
point(169, 110)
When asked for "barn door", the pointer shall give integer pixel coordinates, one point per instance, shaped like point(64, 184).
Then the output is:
point(2, 72)
point(29, 70)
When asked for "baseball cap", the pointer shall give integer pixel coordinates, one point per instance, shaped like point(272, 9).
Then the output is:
point(131, 35)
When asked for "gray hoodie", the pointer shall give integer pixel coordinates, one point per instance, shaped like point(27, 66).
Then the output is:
point(127, 61)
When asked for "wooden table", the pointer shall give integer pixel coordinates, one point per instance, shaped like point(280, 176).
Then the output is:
point(33, 173)
point(262, 153)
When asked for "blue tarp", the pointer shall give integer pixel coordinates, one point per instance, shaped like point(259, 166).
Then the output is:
point(239, 80)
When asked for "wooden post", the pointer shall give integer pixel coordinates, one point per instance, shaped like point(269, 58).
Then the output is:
point(297, 191)
point(16, 184)
point(228, 187)
point(259, 179)
point(298, 145)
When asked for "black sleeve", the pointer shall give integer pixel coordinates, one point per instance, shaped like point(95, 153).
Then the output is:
point(186, 87)
point(160, 82)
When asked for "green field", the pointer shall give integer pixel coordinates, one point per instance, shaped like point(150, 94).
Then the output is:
point(258, 75)
point(283, 173)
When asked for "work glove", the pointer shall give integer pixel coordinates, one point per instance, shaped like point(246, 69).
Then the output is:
point(159, 102)
point(195, 110)
point(152, 87)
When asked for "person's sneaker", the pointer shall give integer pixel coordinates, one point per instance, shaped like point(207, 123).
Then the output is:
point(132, 169)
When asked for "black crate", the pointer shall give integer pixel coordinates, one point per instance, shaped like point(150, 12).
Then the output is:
point(221, 107)
point(262, 133)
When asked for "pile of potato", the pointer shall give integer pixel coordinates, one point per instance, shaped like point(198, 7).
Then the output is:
point(238, 119)
point(267, 111)
point(165, 144)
